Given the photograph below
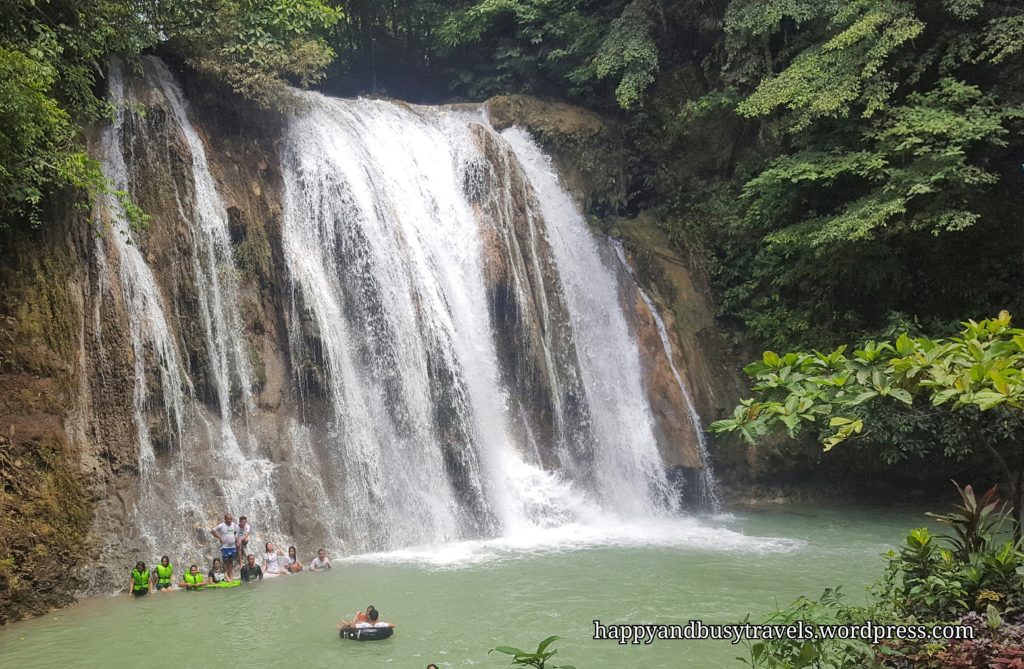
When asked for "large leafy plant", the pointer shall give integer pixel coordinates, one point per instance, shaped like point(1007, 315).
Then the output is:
point(975, 521)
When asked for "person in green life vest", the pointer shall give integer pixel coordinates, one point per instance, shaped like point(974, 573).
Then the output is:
point(139, 585)
point(163, 575)
point(193, 579)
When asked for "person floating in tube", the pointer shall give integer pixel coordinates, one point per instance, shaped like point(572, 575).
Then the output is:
point(363, 619)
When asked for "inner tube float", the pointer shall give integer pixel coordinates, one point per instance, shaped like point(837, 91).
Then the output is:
point(366, 633)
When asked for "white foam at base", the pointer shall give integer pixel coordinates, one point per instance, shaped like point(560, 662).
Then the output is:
point(690, 535)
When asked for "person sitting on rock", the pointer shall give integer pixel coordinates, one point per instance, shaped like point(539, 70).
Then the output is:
point(243, 536)
point(139, 583)
point(291, 561)
point(163, 575)
point(272, 560)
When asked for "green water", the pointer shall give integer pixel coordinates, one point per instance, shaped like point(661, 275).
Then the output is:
point(453, 604)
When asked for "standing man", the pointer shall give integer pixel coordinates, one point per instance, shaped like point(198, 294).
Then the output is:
point(227, 534)
point(242, 539)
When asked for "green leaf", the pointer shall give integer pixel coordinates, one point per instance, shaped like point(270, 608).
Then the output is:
point(902, 395)
point(547, 642)
point(807, 655)
point(508, 650)
point(864, 397)
point(999, 381)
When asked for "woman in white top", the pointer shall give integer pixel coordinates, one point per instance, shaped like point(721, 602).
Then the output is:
point(271, 561)
point(291, 561)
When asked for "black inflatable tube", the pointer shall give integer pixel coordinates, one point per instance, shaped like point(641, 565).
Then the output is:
point(366, 633)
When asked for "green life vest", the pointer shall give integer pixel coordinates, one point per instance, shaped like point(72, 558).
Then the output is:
point(163, 574)
point(141, 579)
point(191, 580)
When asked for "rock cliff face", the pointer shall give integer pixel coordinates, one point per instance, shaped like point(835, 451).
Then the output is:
point(105, 427)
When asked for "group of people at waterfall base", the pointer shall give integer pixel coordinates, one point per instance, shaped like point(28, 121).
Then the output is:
point(234, 541)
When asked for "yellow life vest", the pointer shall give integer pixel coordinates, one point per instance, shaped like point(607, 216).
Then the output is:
point(141, 580)
point(163, 574)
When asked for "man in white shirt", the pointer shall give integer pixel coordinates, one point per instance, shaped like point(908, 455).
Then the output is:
point(227, 534)
point(320, 562)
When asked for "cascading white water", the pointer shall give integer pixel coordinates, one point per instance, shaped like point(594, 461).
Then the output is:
point(708, 487)
point(246, 482)
point(243, 479)
point(386, 252)
point(609, 356)
point(463, 364)
point(152, 340)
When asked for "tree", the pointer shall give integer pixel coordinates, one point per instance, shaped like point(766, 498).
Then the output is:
point(537, 44)
point(257, 47)
point(836, 394)
point(886, 130)
point(52, 55)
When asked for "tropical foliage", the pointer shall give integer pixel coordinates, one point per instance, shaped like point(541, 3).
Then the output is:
point(835, 394)
point(972, 576)
point(52, 60)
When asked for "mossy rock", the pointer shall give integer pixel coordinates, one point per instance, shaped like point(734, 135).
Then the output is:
point(587, 149)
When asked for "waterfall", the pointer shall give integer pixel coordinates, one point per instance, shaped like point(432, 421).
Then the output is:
point(151, 338)
point(708, 487)
point(170, 502)
point(387, 247)
point(456, 361)
point(246, 476)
